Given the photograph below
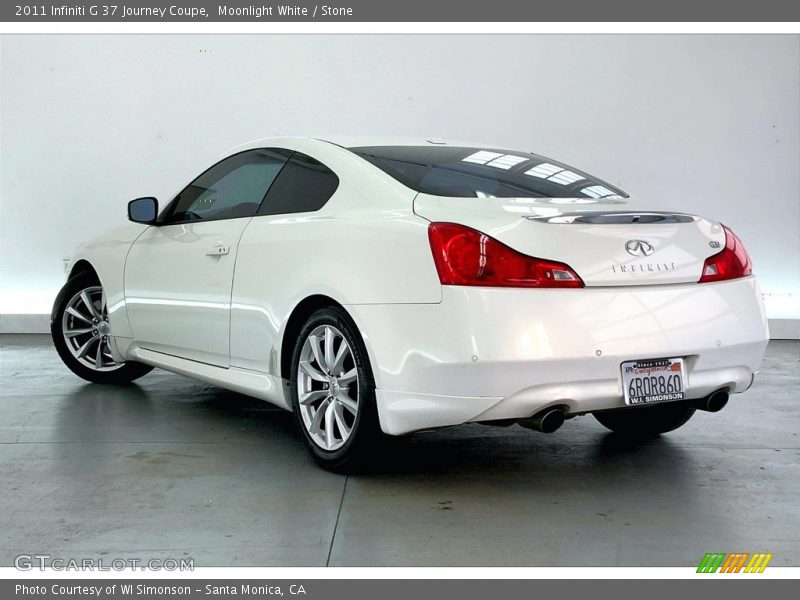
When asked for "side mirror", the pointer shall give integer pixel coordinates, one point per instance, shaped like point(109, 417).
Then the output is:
point(143, 210)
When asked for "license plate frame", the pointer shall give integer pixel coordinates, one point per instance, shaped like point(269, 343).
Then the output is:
point(653, 381)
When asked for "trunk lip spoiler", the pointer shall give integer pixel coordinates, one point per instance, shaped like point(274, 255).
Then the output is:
point(615, 218)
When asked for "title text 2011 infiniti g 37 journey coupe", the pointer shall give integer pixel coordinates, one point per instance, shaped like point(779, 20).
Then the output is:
point(403, 286)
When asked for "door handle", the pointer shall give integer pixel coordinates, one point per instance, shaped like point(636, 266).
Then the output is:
point(218, 249)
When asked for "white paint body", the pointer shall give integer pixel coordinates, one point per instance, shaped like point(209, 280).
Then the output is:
point(440, 355)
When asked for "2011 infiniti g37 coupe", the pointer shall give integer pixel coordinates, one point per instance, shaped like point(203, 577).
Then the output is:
point(403, 286)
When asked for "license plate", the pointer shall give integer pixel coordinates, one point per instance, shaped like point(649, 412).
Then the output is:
point(657, 380)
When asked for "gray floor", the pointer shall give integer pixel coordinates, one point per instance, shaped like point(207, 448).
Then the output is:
point(176, 468)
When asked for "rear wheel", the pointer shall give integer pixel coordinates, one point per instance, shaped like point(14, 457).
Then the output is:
point(333, 392)
point(647, 421)
point(81, 332)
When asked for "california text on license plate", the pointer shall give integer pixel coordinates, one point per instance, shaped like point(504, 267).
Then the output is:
point(657, 380)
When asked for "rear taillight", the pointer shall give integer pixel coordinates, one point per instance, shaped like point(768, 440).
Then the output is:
point(464, 256)
point(731, 263)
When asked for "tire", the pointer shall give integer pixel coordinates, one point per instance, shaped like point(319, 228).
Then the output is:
point(326, 391)
point(647, 421)
point(81, 335)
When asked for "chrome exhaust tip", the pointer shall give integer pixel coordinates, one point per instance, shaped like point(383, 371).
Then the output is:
point(546, 421)
point(714, 402)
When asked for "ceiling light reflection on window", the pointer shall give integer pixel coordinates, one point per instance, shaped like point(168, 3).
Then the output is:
point(599, 191)
point(481, 157)
point(543, 170)
point(494, 159)
point(554, 173)
point(506, 161)
point(565, 177)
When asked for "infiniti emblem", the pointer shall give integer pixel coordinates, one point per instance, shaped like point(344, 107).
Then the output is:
point(639, 248)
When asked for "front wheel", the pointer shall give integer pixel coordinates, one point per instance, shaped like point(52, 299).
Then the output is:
point(333, 392)
point(80, 330)
point(647, 421)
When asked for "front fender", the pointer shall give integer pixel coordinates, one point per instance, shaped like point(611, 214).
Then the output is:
point(106, 255)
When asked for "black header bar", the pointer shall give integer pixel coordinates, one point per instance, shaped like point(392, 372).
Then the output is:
point(402, 11)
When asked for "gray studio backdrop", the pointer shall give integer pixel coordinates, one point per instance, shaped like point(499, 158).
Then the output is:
point(705, 123)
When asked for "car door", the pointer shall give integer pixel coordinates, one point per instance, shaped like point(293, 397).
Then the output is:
point(179, 273)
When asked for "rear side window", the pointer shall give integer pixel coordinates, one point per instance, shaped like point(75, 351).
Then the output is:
point(232, 188)
point(303, 185)
point(484, 173)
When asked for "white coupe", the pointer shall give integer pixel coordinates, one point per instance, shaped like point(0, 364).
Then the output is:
point(385, 288)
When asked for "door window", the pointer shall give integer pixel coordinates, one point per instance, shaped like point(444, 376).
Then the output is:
point(304, 185)
point(232, 188)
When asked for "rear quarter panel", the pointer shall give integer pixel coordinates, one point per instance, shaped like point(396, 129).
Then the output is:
point(365, 246)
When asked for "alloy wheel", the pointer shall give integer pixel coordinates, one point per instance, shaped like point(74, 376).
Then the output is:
point(327, 387)
point(86, 329)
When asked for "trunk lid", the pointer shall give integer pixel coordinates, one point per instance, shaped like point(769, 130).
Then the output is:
point(607, 243)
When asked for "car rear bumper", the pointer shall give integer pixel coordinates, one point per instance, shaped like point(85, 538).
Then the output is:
point(488, 353)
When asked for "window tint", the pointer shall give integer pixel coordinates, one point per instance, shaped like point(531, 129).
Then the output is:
point(232, 188)
point(304, 185)
point(475, 172)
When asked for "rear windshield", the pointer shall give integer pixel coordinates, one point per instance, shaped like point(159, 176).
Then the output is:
point(484, 173)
